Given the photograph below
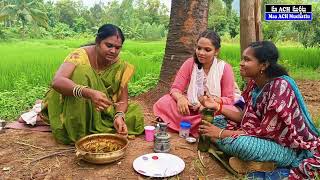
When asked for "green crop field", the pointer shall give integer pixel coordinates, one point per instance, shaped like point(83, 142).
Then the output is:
point(27, 67)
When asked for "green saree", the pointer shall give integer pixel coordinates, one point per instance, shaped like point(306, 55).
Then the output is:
point(71, 118)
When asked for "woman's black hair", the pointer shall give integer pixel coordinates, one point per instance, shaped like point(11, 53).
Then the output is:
point(215, 40)
point(108, 30)
point(267, 52)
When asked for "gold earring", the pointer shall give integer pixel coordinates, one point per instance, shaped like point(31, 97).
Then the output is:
point(261, 71)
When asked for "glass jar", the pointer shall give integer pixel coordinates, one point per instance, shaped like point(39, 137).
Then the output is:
point(204, 141)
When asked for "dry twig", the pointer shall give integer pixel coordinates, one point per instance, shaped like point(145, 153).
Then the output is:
point(184, 147)
point(198, 167)
point(52, 154)
point(200, 159)
point(63, 148)
point(85, 168)
point(58, 162)
point(30, 145)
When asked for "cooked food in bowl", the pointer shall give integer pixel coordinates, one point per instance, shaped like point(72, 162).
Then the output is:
point(100, 145)
point(101, 148)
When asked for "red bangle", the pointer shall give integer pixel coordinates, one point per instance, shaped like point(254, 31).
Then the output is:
point(220, 109)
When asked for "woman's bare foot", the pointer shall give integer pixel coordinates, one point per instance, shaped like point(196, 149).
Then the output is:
point(244, 167)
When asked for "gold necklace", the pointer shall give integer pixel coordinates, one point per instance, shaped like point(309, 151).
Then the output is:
point(96, 68)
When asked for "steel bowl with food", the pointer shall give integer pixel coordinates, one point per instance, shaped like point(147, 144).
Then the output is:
point(101, 148)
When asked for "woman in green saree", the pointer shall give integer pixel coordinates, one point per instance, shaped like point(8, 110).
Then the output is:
point(89, 91)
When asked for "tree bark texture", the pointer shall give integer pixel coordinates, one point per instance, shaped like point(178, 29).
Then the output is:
point(257, 21)
point(250, 22)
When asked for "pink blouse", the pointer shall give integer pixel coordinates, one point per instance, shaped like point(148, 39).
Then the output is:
point(227, 82)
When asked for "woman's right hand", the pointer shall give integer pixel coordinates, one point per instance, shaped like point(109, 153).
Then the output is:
point(209, 130)
point(183, 105)
point(120, 126)
point(99, 99)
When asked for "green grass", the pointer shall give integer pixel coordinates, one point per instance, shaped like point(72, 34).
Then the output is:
point(36, 61)
point(301, 57)
point(27, 67)
point(145, 56)
point(292, 57)
point(39, 60)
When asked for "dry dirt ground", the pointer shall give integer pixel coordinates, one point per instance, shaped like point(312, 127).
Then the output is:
point(18, 161)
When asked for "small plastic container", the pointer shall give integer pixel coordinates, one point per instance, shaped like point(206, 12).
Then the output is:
point(184, 129)
point(149, 133)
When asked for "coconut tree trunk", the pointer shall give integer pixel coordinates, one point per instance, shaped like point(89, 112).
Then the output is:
point(188, 19)
point(257, 20)
point(250, 22)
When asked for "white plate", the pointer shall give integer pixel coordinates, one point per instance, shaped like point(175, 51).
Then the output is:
point(158, 165)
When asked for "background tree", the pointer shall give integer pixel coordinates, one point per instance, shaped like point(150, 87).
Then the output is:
point(217, 20)
point(52, 13)
point(148, 19)
point(228, 4)
point(25, 11)
point(6, 21)
point(250, 19)
point(97, 16)
point(223, 19)
point(309, 31)
point(279, 30)
point(68, 11)
point(66, 18)
point(188, 18)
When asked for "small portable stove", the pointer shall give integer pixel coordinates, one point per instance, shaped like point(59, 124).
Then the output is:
point(161, 142)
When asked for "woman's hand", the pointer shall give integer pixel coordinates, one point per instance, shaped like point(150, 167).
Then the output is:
point(201, 108)
point(209, 102)
point(120, 126)
point(217, 99)
point(183, 105)
point(99, 99)
point(195, 107)
point(209, 130)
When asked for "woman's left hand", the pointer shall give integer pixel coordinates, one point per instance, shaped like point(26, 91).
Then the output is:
point(208, 129)
point(120, 126)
